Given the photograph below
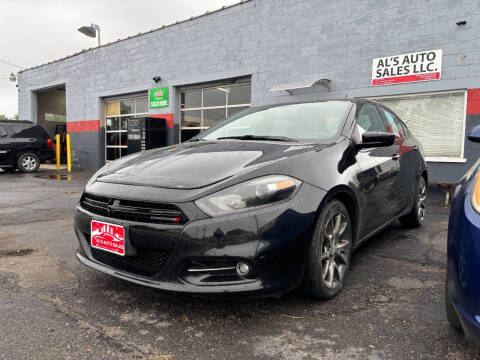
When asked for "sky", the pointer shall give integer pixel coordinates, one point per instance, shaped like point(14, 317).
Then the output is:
point(38, 31)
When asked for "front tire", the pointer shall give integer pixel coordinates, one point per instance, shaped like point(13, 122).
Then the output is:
point(415, 218)
point(28, 162)
point(329, 257)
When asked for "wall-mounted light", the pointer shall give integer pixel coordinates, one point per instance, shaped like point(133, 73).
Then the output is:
point(157, 79)
point(462, 22)
point(290, 88)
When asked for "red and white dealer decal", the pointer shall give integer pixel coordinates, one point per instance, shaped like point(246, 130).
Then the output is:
point(108, 237)
point(419, 66)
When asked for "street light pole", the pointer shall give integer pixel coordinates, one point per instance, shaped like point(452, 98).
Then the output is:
point(96, 27)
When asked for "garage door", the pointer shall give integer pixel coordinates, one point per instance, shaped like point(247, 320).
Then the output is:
point(436, 119)
point(204, 107)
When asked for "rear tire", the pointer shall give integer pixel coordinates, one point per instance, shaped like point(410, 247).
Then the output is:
point(452, 316)
point(28, 162)
point(328, 258)
point(415, 218)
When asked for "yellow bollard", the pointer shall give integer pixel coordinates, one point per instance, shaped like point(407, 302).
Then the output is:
point(69, 154)
point(58, 151)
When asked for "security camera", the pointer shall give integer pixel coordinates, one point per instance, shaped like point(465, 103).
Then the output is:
point(157, 79)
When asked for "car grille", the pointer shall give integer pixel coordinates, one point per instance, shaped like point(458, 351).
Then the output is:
point(133, 210)
point(147, 262)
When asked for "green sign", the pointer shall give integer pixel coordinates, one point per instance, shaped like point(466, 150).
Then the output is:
point(159, 98)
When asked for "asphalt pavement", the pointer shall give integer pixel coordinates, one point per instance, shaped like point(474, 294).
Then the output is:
point(52, 307)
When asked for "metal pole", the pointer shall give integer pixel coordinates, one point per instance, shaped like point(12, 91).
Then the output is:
point(69, 154)
point(96, 27)
point(58, 150)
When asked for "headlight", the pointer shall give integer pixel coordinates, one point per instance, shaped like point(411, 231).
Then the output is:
point(475, 196)
point(250, 194)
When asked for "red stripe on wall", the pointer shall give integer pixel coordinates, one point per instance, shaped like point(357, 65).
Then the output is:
point(83, 126)
point(406, 78)
point(473, 95)
point(168, 119)
point(473, 101)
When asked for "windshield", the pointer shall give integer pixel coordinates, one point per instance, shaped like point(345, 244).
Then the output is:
point(307, 121)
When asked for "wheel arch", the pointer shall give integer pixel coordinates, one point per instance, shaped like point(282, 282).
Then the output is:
point(425, 175)
point(347, 197)
point(19, 152)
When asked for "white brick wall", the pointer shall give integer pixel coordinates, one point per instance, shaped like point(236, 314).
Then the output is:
point(276, 41)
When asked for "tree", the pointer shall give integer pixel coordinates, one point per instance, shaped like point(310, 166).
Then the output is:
point(4, 117)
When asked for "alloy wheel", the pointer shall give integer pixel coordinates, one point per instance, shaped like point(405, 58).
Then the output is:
point(421, 198)
point(335, 250)
point(29, 163)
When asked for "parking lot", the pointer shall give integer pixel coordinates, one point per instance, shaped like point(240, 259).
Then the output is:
point(52, 306)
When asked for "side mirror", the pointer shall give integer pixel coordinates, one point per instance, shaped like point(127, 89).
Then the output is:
point(474, 135)
point(376, 139)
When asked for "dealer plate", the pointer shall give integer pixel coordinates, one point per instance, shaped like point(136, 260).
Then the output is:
point(108, 237)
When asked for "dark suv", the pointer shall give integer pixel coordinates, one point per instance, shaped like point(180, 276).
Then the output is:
point(23, 146)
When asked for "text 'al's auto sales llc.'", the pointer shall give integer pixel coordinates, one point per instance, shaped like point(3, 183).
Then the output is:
point(419, 66)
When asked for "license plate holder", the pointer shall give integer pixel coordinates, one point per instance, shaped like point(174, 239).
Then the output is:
point(108, 237)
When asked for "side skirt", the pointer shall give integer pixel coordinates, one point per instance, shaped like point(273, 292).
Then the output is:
point(376, 231)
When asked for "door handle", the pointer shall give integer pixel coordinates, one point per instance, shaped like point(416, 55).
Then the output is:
point(395, 156)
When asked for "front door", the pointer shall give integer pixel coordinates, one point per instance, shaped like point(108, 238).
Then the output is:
point(406, 153)
point(377, 172)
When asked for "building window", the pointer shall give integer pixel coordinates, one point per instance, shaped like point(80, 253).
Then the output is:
point(433, 118)
point(55, 117)
point(202, 108)
point(117, 114)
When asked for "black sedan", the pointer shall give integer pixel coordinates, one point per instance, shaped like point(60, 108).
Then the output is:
point(267, 200)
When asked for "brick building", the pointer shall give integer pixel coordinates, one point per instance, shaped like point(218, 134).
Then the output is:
point(198, 71)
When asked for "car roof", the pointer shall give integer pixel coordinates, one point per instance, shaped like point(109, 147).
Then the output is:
point(26, 122)
point(16, 122)
point(7, 121)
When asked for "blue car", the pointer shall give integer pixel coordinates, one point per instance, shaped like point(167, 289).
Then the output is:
point(463, 253)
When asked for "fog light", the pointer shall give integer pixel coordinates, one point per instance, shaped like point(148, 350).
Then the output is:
point(243, 269)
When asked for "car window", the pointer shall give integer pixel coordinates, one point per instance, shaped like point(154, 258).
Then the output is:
point(392, 124)
point(19, 128)
point(402, 126)
point(368, 119)
point(320, 121)
point(28, 131)
point(3, 131)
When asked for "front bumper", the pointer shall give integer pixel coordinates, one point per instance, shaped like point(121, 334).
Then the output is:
point(469, 322)
point(272, 240)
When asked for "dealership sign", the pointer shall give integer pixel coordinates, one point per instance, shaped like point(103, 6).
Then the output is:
point(159, 98)
point(419, 66)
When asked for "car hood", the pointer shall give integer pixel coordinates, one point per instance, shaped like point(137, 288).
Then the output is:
point(199, 164)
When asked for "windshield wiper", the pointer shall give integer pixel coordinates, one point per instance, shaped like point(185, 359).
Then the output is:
point(259, 137)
